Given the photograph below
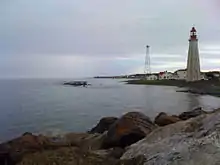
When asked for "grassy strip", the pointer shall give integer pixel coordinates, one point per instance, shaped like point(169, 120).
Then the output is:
point(199, 87)
point(157, 82)
point(181, 83)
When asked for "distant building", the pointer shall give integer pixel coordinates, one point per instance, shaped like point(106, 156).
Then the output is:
point(214, 75)
point(152, 77)
point(193, 63)
point(140, 76)
point(203, 76)
point(166, 76)
point(131, 76)
point(180, 74)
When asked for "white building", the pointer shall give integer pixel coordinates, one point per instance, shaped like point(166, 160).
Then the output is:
point(203, 77)
point(213, 75)
point(152, 77)
point(216, 74)
point(193, 63)
point(180, 74)
point(166, 76)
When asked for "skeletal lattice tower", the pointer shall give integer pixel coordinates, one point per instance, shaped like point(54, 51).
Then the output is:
point(147, 67)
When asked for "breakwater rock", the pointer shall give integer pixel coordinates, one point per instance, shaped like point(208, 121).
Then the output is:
point(163, 119)
point(191, 142)
point(132, 139)
point(128, 129)
point(103, 125)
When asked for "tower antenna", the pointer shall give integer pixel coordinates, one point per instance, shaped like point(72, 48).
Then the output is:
point(147, 67)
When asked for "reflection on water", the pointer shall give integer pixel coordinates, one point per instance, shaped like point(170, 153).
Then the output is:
point(46, 105)
point(194, 101)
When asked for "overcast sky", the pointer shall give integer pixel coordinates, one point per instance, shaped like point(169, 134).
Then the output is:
point(78, 38)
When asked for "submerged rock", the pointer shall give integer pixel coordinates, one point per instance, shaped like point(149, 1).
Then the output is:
point(103, 125)
point(129, 129)
point(189, 114)
point(192, 142)
point(163, 119)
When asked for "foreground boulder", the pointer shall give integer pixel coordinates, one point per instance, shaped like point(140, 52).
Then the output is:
point(76, 156)
point(129, 129)
point(191, 142)
point(66, 156)
point(5, 158)
point(190, 114)
point(116, 152)
point(85, 141)
point(163, 119)
point(103, 125)
point(13, 150)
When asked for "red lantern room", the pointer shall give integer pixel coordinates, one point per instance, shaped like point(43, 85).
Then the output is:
point(193, 35)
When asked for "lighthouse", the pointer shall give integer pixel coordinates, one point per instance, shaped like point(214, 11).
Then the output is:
point(193, 62)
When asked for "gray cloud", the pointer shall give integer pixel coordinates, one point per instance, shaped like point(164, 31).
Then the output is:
point(101, 34)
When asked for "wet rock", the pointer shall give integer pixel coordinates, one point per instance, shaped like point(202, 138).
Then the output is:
point(129, 129)
point(103, 125)
point(116, 152)
point(75, 156)
point(14, 150)
point(175, 116)
point(27, 142)
point(214, 111)
point(163, 119)
point(138, 160)
point(190, 114)
point(85, 141)
point(65, 156)
point(194, 141)
point(5, 158)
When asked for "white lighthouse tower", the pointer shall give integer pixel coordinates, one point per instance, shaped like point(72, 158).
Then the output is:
point(193, 63)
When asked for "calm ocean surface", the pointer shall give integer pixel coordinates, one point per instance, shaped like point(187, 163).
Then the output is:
point(48, 107)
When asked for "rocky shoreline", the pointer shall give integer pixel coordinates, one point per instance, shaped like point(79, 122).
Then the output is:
point(191, 137)
point(208, 87)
